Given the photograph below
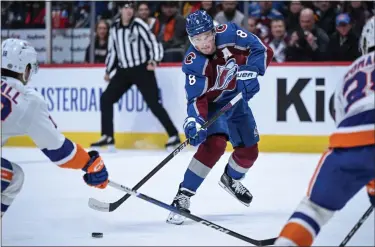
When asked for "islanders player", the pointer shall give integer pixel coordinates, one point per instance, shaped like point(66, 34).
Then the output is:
point(222, 62)
point(349, 164)
point(24, 112)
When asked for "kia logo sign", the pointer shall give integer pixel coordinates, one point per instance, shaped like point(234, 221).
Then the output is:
point(287, 99)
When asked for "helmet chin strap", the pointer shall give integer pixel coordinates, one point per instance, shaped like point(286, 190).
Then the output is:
point(24, 75)
point(24, 79)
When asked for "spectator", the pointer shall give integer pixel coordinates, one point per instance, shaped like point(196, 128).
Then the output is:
point(101, 7)
point(266, 12)
point(292, 16)
point(264, 15)
point(326, 16)
point(100, 43)
point(277, 5)
point(189, 7)
point(192, 6)
point(309, 42)
point(143, 12)
point(35, 15)
point(60, 17)
point(209, 7)
point(82, 15)
point(230, 14)
point(252, 26)
point(278, 41)
point(109, 12)
point(253, 6)
point(343, 44)
point(12, 15)
point(359, 15)
point(114, 11)
point(170, 31)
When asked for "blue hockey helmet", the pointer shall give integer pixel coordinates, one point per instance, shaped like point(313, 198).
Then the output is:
point(198, 22)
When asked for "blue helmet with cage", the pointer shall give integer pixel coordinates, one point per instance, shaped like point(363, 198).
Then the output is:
point(198, 22)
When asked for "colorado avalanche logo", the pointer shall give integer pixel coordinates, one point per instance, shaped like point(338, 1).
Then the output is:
point(225, 76)
point(189, 58)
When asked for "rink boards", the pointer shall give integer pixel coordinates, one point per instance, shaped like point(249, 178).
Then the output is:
point(293, 109)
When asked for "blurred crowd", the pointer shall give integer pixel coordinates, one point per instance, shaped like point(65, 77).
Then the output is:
point(296, 30)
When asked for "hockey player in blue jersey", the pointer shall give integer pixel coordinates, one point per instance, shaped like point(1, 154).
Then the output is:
point(221, 62)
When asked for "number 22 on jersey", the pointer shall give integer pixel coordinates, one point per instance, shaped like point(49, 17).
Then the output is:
point(358, 87)
point(7, 96)
point(6, 107)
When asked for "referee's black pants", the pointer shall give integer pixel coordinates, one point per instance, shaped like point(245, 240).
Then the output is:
point(145, 81)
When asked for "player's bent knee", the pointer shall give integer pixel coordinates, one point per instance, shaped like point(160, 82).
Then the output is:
point(14, 187)
point(246, 156)
point(15, 184)
point(18, 179)
point(216, 143)
point(210, 151)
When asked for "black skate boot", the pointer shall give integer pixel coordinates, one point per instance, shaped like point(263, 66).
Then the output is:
point(104, 142)
point(182, 202)
point(236, 189)
point(172, 143)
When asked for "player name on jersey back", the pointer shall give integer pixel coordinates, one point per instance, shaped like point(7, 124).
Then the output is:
point(8, 92)
point(12, 107)
point(355, 105)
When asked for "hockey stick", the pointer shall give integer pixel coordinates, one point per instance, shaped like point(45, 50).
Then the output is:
point(356, 226)
point(264, 242)
point(109, 207)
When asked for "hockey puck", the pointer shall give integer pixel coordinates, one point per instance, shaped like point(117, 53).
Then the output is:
point(97, 234)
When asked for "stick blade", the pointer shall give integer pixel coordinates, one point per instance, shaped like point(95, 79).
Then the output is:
point(98, 205)
point(266, 242)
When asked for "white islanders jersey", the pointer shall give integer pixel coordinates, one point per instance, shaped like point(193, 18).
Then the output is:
point(25, 112)
point(355, 105)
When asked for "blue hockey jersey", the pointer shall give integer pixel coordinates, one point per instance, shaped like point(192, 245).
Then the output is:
point(213, 78)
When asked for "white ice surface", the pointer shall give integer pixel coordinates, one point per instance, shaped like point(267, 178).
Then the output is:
point(52, 207)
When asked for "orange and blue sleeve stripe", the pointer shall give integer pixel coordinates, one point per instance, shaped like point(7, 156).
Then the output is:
point(69, 155)
point(354, 131)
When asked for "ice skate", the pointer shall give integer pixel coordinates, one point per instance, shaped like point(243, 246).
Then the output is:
point(105, 141)
point(236, 189)
point(172, 143)
point(182, 202)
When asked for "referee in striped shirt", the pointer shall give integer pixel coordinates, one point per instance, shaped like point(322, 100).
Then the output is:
point(133, 53)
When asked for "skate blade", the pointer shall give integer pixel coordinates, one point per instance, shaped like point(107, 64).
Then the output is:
point(175, 219)
point(230, 192)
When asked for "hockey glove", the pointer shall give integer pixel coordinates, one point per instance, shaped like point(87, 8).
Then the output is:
point(371, 192)
point(193, 130)
point(247, 81)
point(96, 172)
